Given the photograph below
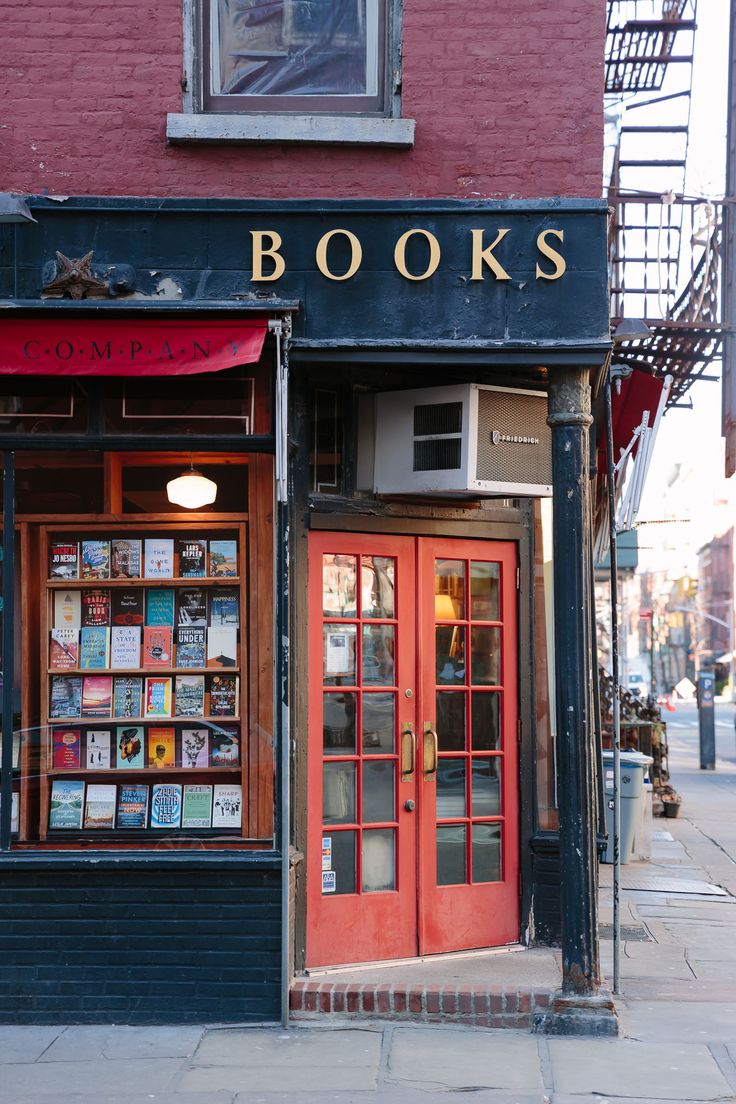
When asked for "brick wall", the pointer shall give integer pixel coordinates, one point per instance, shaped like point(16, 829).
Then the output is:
point(507, 98)
point(139, 946)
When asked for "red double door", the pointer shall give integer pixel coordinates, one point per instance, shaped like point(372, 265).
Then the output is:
point(413, 779)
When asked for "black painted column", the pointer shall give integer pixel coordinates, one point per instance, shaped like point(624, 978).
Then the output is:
point(570, 418)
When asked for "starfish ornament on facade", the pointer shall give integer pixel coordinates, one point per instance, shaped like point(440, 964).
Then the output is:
point(75, 277)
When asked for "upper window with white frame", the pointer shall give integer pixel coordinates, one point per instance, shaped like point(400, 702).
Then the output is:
point(295, 56)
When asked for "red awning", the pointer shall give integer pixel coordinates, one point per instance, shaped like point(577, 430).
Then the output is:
point(135, 347)
point(639, 392)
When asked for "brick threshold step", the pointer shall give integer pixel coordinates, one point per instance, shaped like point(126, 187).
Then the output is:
point(479, 1005)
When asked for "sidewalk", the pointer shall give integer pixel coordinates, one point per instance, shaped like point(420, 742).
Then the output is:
point(677, 1013)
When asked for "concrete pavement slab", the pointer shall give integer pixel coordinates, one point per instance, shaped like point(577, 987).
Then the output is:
point(88, 1079)
point(125, 1098)
point(468, 1060)
point(390, 1094)
point(620, 1067)
point(80, 1043)
point(287, 1079)
point(672, 1021)
point(713, 969)
point(258, 1047)
point(25, 1044)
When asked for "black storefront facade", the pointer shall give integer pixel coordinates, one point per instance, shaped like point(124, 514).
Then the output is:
point(347, 301)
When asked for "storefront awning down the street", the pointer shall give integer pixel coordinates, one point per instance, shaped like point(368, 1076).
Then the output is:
point(130, 346)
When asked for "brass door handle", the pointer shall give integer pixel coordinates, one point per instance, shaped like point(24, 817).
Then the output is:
point(408, 753)
point(430, 752)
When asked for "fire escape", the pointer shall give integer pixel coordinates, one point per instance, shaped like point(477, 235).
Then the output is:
point(663, 244)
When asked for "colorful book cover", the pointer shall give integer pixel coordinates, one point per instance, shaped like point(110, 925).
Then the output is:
point(197, 810)
point(132, 811)
point(223, 558)
point(193, 607)
point(161, 747)
point(64, 649)
point(166, 805)
point(194, 748)
point(190, 646)
point(94, 647)
point(227, 807)
point(191, 558)
point(189, 695)
point(225, 749)
point(95, 607)
point(158, 697)
point(131, 754)
point(159, 558)
point(98, 749)
point(224, 695)
point(97, 696)
point(95, 559)
point(127, 698)
point(225, 607)
point(127, 607)
point(67, 804)
point(222, 647)
point(67, 748)
point(125, 647)
point(99, 807)
point(67, 609)
point(64, 557)
point(160, 607)
point(158, 646)
point(66, 696)
point(125, 559)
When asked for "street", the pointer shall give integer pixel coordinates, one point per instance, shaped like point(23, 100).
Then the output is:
point(677, 1011)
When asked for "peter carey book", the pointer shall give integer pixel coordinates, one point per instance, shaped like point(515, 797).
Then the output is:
point(125, 647)
point(157, 646)
point(227, 807)
point(64, 649)
point(191, 558)
point(225, 607)
point(189, 695)
point(94, 647)
point(194, 748)
point(190, 646)
point(159, 558)
point(131, 753)
point(95, 607)
point(127, 698)
point(95, 559)
point(67, 748)
point(127, 607)
point(125, 559)
point(67, 804)
point(223, 558)
point(158, 697)
point(132, 811)
point(161, 747)
point(64, 557)
point(197, 810)
point(160, 607)
point(97, 696)
point(67, 609)
point(166, 805)
point(224, 695)
point(193, 607)
point(66, 696)
point(98, 749)
point(99, 806)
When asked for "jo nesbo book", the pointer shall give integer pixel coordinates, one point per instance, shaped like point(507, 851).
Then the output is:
point(64, 560)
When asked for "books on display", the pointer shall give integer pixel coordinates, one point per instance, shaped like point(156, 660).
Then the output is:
point(125, 559)
point(64, 649)
point(99, 807)
point(160, 607)
point(161, 747)
point(166, 805)
point(95, 559)
point(222, 647)
point(98, 749)
point(191, 558)
point(158, 697)
point(189, 695)
point(66, 696)
point(125, 647)
point(130, 751)
point(224, 695)
point(97, 696)
point(223, 558)
point(67, 609)
point(67, 804)
point(193, 607)
point(197, 807)
point(67, 748)
point(225, 607)
point(194, 748)
point(132, 810)
point(127, 698)
point(190, 646)
point(94, 647)
point(95, 607)
point(127, 607)
point(225, 749)
point(157, 646)
point(227, 806)
point(159, 558)
point(64, 560)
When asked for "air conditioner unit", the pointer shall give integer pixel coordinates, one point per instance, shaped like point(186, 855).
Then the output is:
point(467, 439)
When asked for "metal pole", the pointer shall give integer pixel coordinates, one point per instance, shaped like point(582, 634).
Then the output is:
point(616, 704)
point(8, 662)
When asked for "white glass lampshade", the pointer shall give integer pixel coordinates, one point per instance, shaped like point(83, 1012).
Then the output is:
point(191, 490)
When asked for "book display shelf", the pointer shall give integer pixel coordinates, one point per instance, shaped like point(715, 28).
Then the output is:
point(144, 683)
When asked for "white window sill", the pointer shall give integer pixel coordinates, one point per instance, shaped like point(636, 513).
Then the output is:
point(350, 130)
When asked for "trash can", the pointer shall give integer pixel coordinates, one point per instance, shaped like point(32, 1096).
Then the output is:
point(642, 847)
point(634, 766)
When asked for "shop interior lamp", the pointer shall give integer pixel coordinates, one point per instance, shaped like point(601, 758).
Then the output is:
point(191, 489)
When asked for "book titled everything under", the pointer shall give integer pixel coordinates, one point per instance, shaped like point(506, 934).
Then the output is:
point(227, 809)
point(132, 811)
point(190, 646)
point(166, 805)
point(97, 696)
point(223, 558)
point(189, 695)
point(224, 607)
point(160, 607)
point(64, 649)
point(64, 560)
point(125, 559)
point(131, 753)
point(125, 647)
point(67, 748)
point(197, 810)
point(67, 804)
point(193, 607)
point(94, 647)
point(159, 558)
point(224, 695)
point(99, 807)
point(194, 748)
point(95, 607)
point(127, 607)
point(127, 698)
point(66, 696)
point(191, 558)
point(158, 697)
point(161, 747)
point(157, 646)
point(95, 559)
point(98, 749)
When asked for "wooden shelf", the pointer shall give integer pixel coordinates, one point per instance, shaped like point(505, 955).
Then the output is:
point(125, 672)
point(134, 772)
point(137, 720)
point(100, 584)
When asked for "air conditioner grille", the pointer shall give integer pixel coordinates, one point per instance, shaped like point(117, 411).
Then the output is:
point(432, 419)
point(438, 454)
point(514, 440)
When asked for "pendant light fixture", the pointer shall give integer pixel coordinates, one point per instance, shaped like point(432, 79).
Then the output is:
point(191, 489)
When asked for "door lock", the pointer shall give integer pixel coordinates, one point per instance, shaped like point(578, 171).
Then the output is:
point(410, 806)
